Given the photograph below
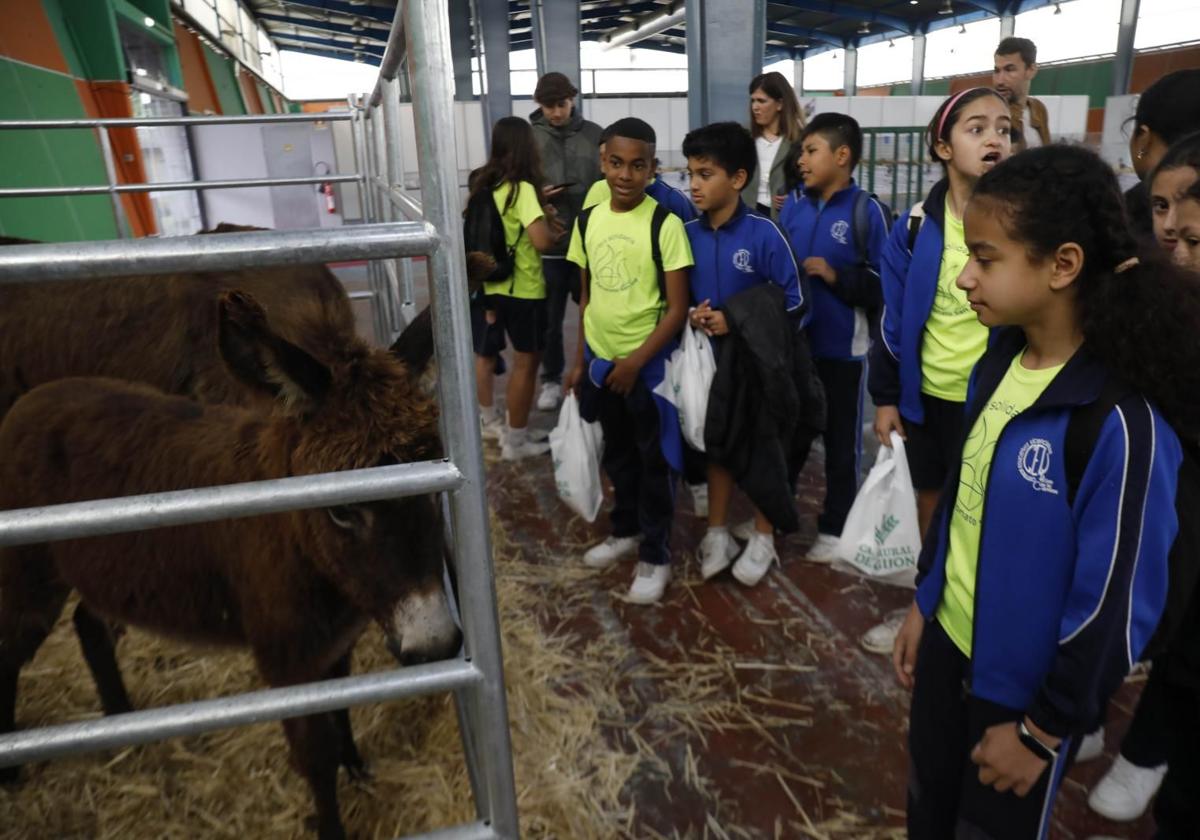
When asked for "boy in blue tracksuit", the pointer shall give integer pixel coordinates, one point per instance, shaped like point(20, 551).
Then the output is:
point(734, 249)
point(821, 219)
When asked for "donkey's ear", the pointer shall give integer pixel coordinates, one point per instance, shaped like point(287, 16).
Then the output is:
point(414, 347)
point(262, 360)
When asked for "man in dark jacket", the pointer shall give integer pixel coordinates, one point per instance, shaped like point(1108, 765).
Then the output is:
point(569, 148)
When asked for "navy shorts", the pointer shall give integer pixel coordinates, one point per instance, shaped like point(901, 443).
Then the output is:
point(522, 321)
point(934, 448)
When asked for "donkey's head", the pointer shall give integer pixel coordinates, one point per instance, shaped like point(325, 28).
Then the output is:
point(342, 405)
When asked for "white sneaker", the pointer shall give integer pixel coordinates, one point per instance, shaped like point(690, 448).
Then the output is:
point(1092, 746)
point(492, 429)
point(550, 396)
point(824, 550)
point(1126, 790)
point(517, 445)
point(603, 555)
point(882, 637)
point(649, 583)
point(716, 552)
point(756, 558)
point(699, 500)
point(743, 531)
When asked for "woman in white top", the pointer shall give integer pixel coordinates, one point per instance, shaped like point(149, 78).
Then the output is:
point(776, 122)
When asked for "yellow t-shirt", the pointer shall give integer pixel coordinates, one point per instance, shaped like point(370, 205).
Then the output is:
point(624, 303)
point(1015, 393)
point(526, 280)
point(953, 339)
point(601, 191)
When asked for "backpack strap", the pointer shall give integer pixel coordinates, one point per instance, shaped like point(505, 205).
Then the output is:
point(916, 218)
point(656, 224)
point(582, 221)
point(1083, 429)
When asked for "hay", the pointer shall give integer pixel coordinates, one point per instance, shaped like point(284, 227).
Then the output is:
point(238, 784)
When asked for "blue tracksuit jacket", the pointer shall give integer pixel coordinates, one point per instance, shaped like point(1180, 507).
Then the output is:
point(1068, 591)
point(839, 328)
point(747, 250)
point(672, 199)
point(909, 283)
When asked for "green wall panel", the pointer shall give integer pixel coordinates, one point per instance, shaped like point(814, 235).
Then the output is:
point(64, 157)
point(264, 96)
point(220, 69)
point(92, 28)
point(58, 21)
point(1093, 79)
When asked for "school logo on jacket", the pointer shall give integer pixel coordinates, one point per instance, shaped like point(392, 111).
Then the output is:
point(839, 230)
point(741, 261)
point(1033, 462)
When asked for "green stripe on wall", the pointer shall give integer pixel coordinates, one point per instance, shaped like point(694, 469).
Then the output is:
point(63, 157)
point(220, 69)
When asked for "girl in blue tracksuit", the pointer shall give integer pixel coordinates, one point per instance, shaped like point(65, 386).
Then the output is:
point(1039, 587)
point(930, 339)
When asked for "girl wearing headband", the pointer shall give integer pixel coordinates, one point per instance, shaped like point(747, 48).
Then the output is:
point(1045, 573)
point(930, 337)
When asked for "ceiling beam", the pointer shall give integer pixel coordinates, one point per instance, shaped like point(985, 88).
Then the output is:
point(805, 34)
point(855, 13)
point(322, 26)
point(304, 42)
point(375, 13)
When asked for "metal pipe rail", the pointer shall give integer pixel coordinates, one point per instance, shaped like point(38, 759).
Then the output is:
point(238, 710)
point(226, 501)
point(214, 252)
point(154, 122)
point(173, 186)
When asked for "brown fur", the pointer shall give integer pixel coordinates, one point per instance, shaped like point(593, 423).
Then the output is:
point(297, 588)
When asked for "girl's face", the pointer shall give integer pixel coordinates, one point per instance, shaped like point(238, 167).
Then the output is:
point(980, 139)
point(1165, 189)
point(1187, 219)
point(1004, 286)
point(765, 108)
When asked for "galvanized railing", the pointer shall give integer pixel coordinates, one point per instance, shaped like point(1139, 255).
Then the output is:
point(421, 29)
point(896, 166)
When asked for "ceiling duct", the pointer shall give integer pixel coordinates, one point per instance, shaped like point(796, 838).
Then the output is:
point(646, 26)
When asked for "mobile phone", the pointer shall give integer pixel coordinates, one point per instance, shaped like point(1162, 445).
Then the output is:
point(563, 185)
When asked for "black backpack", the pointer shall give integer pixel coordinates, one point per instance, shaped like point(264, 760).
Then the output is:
point(656, 222)
point(862, 222)
point(1183, 561)
point(483, 231)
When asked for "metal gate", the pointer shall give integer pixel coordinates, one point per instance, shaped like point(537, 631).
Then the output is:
point(421, 29)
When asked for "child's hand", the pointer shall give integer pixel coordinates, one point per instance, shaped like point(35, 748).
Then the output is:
point(887, 418)
point(818, 267)
point(696, 316)
point(714, 323)
point(573, 379)
point(1007, 764)
point(904, 649)
point(778, 202)
point(489, 315)
point(623, 376)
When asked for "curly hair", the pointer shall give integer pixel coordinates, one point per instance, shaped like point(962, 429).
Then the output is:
point(1140, 322)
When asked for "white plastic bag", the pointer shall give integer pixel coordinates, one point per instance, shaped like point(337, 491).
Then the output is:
point(882, 539)
point(691, 369)
point(576, 447)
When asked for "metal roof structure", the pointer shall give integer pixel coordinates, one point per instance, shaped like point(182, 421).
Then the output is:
point(357, 29)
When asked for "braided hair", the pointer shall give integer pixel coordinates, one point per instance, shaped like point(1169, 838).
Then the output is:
point(1139, 313)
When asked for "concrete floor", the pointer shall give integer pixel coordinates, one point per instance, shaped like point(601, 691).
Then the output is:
point(831, 760)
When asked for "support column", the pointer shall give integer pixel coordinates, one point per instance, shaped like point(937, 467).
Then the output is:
point(556, 37)
point(1123, 63)
point(1008, 25)
point(798, 75)
point(492, 17)
point(725, 40)
point(850, 81)
point(918, 65)
point(460, 40)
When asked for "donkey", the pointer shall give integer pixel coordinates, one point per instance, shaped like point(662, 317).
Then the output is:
point(297, 588)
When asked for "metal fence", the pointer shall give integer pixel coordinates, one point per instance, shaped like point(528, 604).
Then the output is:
point(896, 166)
point(420, 34)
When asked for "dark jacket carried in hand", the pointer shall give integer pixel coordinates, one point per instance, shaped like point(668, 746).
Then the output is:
point(569, 154)
point(765, 403)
